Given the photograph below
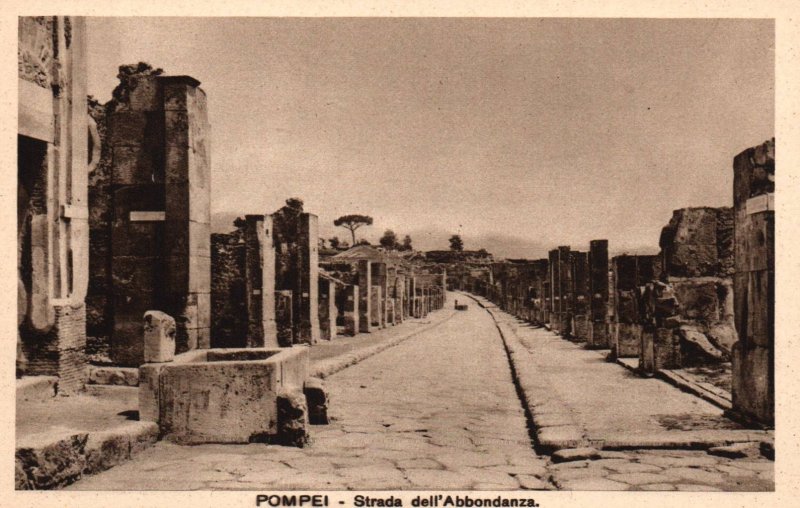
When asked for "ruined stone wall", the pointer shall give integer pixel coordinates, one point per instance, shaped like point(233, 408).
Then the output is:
point(228, 303)
point(631, 273)
point(688, 315)
point(295, 238)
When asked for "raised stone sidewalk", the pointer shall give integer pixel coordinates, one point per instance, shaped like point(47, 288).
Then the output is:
point(608, 429)
point(60, 440)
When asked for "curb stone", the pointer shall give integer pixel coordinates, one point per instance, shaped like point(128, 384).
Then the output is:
point(53, 460)
point(554, 424)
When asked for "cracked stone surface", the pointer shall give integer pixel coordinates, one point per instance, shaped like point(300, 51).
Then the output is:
point(438, 411)
point(662, 470)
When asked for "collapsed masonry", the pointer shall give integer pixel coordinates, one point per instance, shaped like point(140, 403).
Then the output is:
point(705, 300)
point(687, 315)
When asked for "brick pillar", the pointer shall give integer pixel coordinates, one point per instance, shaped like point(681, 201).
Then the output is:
point(598, 288)
point(365, 298)
point(754, 283)
point(187, 193)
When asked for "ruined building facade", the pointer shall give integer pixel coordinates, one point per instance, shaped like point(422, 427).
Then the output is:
point(52, 207)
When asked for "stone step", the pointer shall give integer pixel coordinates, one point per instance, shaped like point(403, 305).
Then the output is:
point(55, 459)
point(36, 388)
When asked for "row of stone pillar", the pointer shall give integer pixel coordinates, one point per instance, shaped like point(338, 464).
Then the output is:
point(706, 297)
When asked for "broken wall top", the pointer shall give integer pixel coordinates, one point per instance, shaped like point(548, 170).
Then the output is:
point(698, 242)
point(754, 173)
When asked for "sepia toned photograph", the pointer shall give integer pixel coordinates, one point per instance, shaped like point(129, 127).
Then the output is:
point(483, 254)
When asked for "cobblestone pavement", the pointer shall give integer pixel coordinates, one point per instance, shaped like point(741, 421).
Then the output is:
point(438, 411)
point(682, 470)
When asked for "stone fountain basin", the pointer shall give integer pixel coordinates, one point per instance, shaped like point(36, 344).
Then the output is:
point(220, 395)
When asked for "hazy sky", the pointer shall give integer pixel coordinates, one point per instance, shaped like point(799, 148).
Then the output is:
point(522, 133)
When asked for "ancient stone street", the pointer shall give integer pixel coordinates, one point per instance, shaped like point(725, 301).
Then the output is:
point(438, 411)
point(406, 419)
point(413, 253)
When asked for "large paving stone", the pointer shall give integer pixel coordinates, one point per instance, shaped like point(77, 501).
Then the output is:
point(639, 478)
point(593, 484)
point(433, 479)
point(570, 454)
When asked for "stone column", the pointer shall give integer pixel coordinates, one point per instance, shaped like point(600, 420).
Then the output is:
point(260, 282)
point(754, 283)
point(253, 280)
point(284, 317)
point(628, 336)
point(187, 193)
point(410, 296)
point(380, 279)
point(598, 287)
point(581, 297)
point(630, 272)
point(555, 291)
point(351, 311)
point(376, 314)
point(400, 300)
point(269, 325)
point(327, 308)
point(306, 297)
point(365, 298)
point(566, 290)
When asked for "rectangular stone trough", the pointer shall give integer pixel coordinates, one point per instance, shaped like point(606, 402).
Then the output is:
point(220, 395)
